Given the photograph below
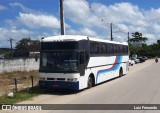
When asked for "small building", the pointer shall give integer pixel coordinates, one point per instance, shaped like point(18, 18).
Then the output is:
point(33, 54)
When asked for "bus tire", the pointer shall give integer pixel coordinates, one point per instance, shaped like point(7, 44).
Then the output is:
point(90, 82)
point(121, 72)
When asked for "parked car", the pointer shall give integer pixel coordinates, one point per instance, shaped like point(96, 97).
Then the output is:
point(131, 62)
point(141, 59)
point(135, 60)
point(144, 57)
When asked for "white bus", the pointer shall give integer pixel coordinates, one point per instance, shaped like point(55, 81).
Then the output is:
point(73, 62)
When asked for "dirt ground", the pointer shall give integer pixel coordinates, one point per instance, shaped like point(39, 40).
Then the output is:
point(7, 81)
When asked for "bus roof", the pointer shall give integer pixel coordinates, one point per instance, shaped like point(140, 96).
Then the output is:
point(64, 38)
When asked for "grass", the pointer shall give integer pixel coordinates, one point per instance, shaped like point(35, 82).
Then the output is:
point(23, 78)
point(17, 98)
point(20, 96)
point(7, 79)
point(19, 74)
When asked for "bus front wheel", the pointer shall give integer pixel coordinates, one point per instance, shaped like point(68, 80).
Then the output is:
point(90, 82)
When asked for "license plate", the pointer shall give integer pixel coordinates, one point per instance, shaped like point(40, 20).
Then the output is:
point(55, 85)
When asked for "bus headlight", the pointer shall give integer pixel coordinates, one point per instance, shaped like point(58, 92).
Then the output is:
point(72, 79)
point(75, 79)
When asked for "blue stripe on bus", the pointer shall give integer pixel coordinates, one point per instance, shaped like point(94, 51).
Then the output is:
point(115, 66)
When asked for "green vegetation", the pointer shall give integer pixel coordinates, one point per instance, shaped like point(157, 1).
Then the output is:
point(22, 48)
point(138, 46)
point(18, 97)
point(26, 45)
point(137, 37)
point(24, 93)
point(5, 52)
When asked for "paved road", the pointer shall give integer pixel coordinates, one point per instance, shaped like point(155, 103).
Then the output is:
point(140, 86)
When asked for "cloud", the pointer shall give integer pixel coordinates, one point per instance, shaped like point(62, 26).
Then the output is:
point(153, 15)
point(151, 38)
point(97, 18)
point(36, 19)
point(2, 7)
point(14, 33)
point(29, 23)
point(82, 31)
point(88, 32)
point(79, 13)
point(119, 12)
point(39, 21)
point(91, 22)
point(126, 17)
point(24, 9)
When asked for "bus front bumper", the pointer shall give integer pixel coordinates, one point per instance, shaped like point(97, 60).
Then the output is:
point(58, 85)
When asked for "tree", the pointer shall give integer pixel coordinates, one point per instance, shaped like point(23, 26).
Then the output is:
point(23, 43)
point(137, 37)
point(137, 45)
point(158, 42)
point(26, 45)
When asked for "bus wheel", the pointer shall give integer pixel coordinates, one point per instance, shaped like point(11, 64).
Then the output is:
point(90, 82)
point(121, 72)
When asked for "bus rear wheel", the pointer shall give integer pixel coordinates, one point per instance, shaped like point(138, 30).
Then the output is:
point(90, 82)
point(120, 72)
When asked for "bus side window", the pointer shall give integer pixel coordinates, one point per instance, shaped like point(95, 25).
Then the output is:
point(82, 57)
point(121, 49)
point(125, 49)
point(110, 49)
point(118, 49)
point(94, 48)
point(114, 49)
point(106, 49)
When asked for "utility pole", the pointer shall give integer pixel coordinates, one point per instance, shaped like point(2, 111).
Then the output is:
point(62, 18)
point(128, 38)
point(111, 31)
point(10, 40)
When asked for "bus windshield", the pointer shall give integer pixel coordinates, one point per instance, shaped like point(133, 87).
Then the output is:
point(59, 62)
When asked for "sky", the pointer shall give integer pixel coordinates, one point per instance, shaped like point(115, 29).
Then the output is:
point(40, 18)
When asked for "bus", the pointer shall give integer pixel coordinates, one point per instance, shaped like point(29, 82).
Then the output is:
point(74, 62)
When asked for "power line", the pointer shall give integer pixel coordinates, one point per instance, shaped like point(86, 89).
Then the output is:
point(101, 19)
point(109, 23)
point(93, 11)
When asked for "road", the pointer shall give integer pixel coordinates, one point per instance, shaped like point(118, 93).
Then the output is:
point(141, 85)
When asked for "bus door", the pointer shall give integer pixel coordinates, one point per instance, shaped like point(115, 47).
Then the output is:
point(82, 63)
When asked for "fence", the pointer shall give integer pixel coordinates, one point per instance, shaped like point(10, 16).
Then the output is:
point(17, 81)
point(20, 64)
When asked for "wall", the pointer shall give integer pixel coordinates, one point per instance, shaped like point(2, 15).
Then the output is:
point(18, 65)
